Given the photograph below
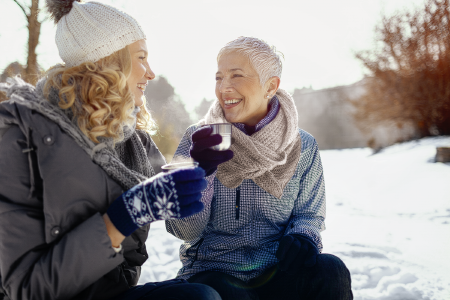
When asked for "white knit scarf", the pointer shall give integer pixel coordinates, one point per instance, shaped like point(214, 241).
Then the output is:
point(269, 157)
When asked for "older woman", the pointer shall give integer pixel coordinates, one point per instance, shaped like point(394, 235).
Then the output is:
point(259, 234)
point(79, 170)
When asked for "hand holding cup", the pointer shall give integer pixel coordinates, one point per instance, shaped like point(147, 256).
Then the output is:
point(201, 150)
point(170, 195)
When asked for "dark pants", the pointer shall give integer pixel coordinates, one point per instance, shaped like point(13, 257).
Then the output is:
point(169, 290)
point(329, 279)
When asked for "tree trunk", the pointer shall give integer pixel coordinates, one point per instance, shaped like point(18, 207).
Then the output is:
point(34, 30)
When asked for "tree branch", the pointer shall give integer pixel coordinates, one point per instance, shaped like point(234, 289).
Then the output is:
point(23, 8)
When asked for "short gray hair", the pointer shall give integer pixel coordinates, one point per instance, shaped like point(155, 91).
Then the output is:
point(265, 59)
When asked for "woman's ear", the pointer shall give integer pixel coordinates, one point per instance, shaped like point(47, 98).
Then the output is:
point(272, 85)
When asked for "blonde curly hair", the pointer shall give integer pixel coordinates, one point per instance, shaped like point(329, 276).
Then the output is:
point(105, 102)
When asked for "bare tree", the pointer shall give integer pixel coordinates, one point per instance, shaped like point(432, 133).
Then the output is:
point(409, 73)
point(31, 14)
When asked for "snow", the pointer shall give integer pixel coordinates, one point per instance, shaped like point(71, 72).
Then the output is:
point(388, 219)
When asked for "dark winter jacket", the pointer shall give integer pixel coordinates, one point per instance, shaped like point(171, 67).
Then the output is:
point(53, 240)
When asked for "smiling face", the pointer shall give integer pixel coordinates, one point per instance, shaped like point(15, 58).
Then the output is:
point(140, 70)
point(240, 94)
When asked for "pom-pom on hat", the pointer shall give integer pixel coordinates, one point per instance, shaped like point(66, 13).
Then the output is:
point(90, 31)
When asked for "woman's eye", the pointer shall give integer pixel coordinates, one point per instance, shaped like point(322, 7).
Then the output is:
point(142, 57)
point(218, 78)
point(237, 75)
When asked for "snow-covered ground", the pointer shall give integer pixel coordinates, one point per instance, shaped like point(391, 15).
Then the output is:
point(388, 219)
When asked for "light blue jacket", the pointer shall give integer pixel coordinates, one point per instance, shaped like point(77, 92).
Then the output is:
point(239, 230)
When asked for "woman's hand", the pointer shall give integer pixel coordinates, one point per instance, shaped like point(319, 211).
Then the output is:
point(296, 252)
point(115, 235)
point(171, 195)
point(207, 158)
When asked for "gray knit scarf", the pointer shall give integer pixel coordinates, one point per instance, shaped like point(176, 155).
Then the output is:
point(126, 161)
point(269, 157)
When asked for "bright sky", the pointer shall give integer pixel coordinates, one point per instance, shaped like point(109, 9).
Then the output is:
point(317, 38)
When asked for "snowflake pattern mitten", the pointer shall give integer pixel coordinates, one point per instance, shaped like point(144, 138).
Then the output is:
point(171, 195)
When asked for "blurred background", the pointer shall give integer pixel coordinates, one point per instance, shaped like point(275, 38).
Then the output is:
point(362, 73)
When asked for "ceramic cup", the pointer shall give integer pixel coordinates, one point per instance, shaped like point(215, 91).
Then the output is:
point(224, 129)
point(174, 166)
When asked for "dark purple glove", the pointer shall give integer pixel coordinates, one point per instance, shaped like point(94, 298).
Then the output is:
point(208, 159)
point(295, 252)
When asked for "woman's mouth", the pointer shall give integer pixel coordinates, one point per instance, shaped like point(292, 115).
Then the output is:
point(231, 103)
point(141, 86)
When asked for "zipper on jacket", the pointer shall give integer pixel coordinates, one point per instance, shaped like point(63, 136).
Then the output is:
point(198, 244)
point(238, 201)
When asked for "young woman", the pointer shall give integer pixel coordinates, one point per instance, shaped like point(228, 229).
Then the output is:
point(79, 170)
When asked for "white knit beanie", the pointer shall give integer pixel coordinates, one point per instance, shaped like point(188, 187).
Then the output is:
point(92, 30)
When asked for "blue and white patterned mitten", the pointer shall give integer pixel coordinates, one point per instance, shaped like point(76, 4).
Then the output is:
point(171, 195)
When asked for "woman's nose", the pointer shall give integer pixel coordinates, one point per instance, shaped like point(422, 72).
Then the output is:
point(225, 86)
point(149, 74)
